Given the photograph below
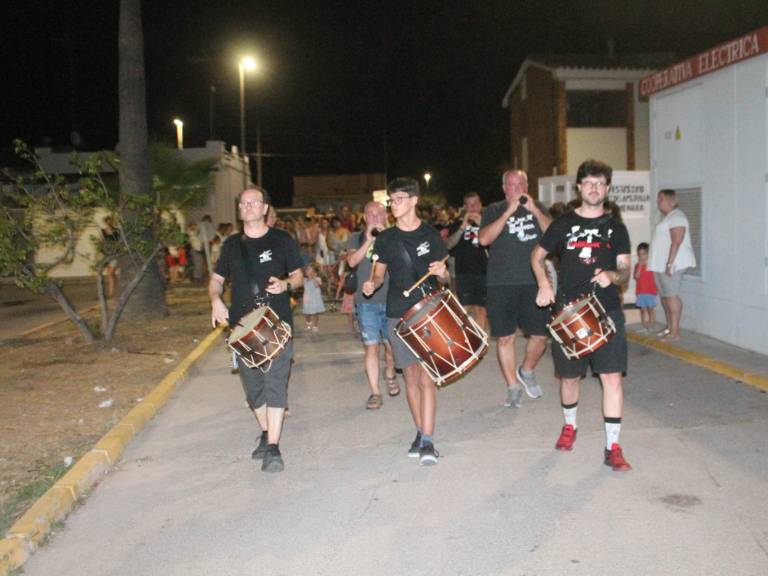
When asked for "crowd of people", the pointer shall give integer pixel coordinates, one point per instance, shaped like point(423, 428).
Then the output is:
point(512, 264)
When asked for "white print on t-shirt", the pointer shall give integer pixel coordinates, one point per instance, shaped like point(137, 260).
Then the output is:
point(422, 249)
point(471, 233)
point(265, 256)
point(586, 239)
point(520, 225)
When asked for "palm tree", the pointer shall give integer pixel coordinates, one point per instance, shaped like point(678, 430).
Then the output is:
point(135, 176)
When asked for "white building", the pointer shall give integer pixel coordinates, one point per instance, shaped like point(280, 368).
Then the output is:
point(231, 173)
point(709, 142)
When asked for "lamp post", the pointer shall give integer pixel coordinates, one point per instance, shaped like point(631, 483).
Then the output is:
point(179, 133)
point(246, 63)
point(427, 178)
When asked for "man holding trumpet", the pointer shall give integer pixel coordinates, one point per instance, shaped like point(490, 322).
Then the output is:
point(413, 253)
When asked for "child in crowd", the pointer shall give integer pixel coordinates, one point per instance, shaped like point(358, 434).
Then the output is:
point(645, 288)
point(313, 296)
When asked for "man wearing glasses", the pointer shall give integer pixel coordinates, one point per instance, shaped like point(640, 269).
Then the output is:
point(263, 264)
point(408, 251)
point(510, 229)
point(594, 253)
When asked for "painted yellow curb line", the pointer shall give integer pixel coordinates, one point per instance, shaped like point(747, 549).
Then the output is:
point(23, 538)
point(723, 368)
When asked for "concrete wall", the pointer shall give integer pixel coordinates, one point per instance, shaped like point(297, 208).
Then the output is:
point(606, 144)
point(712, 133)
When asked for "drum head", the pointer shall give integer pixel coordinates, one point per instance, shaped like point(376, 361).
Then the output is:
point(247, 323)
point(569, 310)
point(421, 309)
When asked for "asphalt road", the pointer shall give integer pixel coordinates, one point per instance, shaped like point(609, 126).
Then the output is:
point(187, 499)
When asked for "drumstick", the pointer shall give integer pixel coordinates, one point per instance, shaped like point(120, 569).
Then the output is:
point(407, 293)
point(374, 258)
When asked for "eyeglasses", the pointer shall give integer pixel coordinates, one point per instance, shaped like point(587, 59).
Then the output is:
point(398, 199)
point(594, 184)
point(251, 203)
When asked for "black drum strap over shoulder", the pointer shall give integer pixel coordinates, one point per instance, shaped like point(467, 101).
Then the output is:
point(258, 297)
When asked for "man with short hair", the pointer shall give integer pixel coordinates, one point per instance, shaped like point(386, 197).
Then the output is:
point(594, 252)
point(372, 311)
point(471, 259)
point(263, 265)
point(408, 251)
point(511, 228)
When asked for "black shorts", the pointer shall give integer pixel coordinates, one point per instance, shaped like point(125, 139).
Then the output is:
point(270, 388)
point(610, 358)
point(510, 307)
point(470, 289)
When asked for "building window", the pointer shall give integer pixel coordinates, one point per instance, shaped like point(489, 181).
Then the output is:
point(596, 108)
point(689, 201)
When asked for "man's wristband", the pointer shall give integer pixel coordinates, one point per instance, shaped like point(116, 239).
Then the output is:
point(287, 286)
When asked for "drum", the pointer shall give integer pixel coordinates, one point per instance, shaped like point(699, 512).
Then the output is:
point(258, 337)
point(581, 327)
point(447, 341)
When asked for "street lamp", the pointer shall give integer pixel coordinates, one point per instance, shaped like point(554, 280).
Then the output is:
point(250, 64)
point(179, 133)
point(427, 178)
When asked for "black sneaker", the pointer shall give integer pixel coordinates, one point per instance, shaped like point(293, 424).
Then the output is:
point(261, 449)
point(415, 449)
point(273, 461)
point(428, 455)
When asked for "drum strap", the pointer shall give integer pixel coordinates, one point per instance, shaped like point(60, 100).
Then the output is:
point(408, 260)
point(251, 273)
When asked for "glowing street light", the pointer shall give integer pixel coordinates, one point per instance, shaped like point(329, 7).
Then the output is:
point(179, 133)
point(427, 178)
point(246, 63)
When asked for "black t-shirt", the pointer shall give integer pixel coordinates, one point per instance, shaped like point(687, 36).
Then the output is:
point(274, 254)
point(471, 258)
point(509, 261)
point(424, 246)
point(583, 245)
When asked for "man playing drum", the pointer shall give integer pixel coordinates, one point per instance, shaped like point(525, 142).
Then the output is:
point(273, 267)
point(510, 229)
point(408, 251)
point(594, 253)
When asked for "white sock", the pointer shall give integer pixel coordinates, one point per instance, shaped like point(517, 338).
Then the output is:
point(569, 413)
point(612, 430)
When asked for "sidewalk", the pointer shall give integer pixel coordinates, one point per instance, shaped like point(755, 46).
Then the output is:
point(187, 498)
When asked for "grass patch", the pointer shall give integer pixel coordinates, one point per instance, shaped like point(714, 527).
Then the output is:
point(22, 498)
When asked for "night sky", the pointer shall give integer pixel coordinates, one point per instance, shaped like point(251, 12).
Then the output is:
point(405, 87)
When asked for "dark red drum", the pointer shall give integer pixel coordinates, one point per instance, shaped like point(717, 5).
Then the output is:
point(447, 341)
point(259, 337)
point(581, 327)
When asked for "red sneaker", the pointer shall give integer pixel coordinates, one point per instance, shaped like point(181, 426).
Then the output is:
point(567, 438)
point(615, 459)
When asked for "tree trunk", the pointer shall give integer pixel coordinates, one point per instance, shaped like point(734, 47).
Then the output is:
point(70, 311)
point(135, 177)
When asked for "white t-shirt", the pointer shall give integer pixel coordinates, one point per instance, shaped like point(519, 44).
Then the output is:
point(662, 241)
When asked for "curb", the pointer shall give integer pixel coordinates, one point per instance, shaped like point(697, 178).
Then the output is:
point(723, 368)
point(26, 535)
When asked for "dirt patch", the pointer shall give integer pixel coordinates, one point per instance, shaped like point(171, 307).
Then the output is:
point(59, 394)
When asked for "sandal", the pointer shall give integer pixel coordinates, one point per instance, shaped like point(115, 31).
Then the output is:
point(374, 402)
point(662, 333)
point(392, 388)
